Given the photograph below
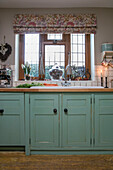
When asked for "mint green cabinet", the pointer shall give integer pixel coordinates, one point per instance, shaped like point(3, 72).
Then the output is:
point(52, 127)
point(76, 121)
point(83, 122)
point(104, 120)
point(11, 119)
point(44, 124)
point(55, 122)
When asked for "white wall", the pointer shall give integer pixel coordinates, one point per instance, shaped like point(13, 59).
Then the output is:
point(104, 25)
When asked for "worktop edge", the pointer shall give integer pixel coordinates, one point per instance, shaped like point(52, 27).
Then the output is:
point(56, 90)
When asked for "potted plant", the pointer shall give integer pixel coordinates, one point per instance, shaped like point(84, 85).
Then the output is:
point(27, 70)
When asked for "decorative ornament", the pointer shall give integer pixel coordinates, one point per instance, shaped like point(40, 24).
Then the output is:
point(5, 51)
point(56, 72)
point(68, 67)
point(105, 63)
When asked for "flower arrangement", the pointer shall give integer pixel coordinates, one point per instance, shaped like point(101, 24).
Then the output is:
point(26, 69)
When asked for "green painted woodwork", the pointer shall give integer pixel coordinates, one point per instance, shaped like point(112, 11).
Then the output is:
point(27, 124)
point(12, 120)
point(85, 128)
point(87, 125)
point(104, 120)
point(76, 122)
point(44, 122)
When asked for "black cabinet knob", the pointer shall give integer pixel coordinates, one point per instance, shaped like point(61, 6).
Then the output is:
point(65, 110)
point(1, 111)
point(55, 111)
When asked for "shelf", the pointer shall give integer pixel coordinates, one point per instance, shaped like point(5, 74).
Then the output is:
point(107, 54)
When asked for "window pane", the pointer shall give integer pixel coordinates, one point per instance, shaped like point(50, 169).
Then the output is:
point(79, 48)
point(54, 36)
point(83, 40)
point(54, 54)
point(80, 65)
point(83, 49)
point(79, 39)
point(74, 48)
point(74, 39)
point(74, 57)
point(83, 58)
point(80, 57)
point(32, 53)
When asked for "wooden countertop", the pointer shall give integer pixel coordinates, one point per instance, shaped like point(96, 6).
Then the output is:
point(56, 90)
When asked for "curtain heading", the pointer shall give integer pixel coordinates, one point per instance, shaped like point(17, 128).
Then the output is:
point(55, 23)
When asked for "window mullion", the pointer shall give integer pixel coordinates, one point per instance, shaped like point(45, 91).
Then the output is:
point(87, 53)
point(21, 55)
point(43, 37)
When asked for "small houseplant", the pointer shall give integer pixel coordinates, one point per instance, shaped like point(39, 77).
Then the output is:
point(27, 70)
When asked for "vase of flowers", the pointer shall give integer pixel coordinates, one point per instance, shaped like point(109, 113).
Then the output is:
point(27, 70)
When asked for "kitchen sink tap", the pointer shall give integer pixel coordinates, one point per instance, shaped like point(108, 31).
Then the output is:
point(66, 83)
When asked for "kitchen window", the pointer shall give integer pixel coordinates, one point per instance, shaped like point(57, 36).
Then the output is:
point(32, 53)
point(42, 51)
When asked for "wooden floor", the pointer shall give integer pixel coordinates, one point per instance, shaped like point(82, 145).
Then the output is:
point(18, 161)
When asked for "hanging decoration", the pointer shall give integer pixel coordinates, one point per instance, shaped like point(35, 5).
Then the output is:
point(5, 51)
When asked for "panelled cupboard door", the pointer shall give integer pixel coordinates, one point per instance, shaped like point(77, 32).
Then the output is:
point(44, 113)
point(104, 120)
point(76, 120)
point(11, 119)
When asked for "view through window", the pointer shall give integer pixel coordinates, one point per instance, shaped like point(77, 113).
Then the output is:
point(78, 50)
point(32, 53)
point(54, 36)
point(54, 53)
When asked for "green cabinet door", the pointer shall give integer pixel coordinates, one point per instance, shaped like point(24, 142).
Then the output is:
point(104, 120)
point(12, 119)
point(44, 120)
point(76, 120)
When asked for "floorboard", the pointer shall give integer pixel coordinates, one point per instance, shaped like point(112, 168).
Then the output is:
point(19, 161)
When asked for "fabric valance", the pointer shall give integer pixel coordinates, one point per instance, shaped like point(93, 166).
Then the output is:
point(55, 23)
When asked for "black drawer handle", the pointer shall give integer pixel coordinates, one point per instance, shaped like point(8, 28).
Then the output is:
point(55, 111)
point(65, 110)
point(1, 111)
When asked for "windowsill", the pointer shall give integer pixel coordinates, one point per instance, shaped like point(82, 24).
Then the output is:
point(53, 81)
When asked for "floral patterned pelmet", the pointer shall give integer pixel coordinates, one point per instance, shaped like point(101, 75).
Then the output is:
point(55, 23)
